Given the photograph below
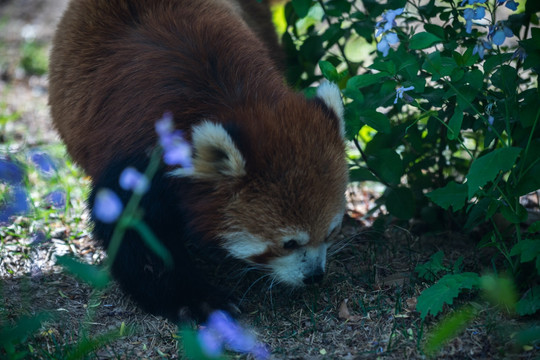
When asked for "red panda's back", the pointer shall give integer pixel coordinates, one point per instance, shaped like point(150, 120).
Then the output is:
point(118, 65)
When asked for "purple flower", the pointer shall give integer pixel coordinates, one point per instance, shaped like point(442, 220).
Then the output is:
point(43, 162)
point(177, 151)
point(400, 90)
point(389, 20)
point(211, 342)
point(387, 39)
point(498, 33)
point(383, 28)
point(480, 48)
point(131, 179)
point(57, 199)
point(510, 4)
point(471, 2)
point(107, 206)
point(10, 172)
point(223, 331)
point(470, 14)
point(519, 54)
point(17, 204)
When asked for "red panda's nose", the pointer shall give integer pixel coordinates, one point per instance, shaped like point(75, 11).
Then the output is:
point(314, 278)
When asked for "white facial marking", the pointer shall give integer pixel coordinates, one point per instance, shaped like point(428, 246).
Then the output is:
point(242, 244)
point(329, 93)
point(301, 237)
point(292, 269)
point(336, 221)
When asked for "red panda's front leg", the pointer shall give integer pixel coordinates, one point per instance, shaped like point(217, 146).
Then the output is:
point(179, 292)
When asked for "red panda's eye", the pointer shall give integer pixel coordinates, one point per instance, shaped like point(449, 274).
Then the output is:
point(291, 245)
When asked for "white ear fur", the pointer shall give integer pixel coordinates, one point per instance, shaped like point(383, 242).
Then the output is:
point(329, 93)
point(214, 152)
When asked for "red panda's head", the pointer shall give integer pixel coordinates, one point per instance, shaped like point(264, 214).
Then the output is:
point(281, 172)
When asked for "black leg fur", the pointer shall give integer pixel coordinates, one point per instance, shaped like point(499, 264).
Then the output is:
point(177, 293)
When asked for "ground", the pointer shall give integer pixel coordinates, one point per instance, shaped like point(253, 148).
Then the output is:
point(364, 309)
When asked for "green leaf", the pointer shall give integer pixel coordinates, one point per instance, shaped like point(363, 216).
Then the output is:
point(96, 276)
point(432, 300)
point(376, 120)
point(429, 270)
point(488, 166)
point(384, 66)
point(329, 71)
point(452, 194)
point(505, 78)
point(423, 40)
point(438, 66)
point(529, 182)
point(527, 249)
point(387, 165)
point(530, 303)
point(455, 124)
point(517, 216)
point(500, 291)
point(400, 203)
point(361, 81)
point(435, 30)
point(535, 227)
point(24, 327)
point(361, 174)
point(448, 328)
point(301, 7)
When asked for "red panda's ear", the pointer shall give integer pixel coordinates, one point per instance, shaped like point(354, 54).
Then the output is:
point(329, 93)
point(215, 154)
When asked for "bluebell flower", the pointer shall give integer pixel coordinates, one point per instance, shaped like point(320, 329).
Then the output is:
point(43, 162)
point(223, 331)
point(131, 179)
point(107, 206)
point(510, 4)
point(498, 33)
point(17, 204)
point(470, 14)
point(388, 20)
point(57, 199)
point(10, 172)
point(383, 28)
point(387, 39)
point(481, 47)
point(399, 92)
point(472, 2)
point(177, 151)
point(519, 54)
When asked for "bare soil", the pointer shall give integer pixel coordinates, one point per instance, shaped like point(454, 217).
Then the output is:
point(364, 309)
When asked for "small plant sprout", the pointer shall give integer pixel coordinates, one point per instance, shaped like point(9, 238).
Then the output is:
point(107, 206)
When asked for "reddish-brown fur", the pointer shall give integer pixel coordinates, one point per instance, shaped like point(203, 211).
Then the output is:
point(118, 65)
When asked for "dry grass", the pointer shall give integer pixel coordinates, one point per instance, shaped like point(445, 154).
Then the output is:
point(364, 309)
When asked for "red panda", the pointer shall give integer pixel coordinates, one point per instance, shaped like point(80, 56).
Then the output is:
point(269, 173)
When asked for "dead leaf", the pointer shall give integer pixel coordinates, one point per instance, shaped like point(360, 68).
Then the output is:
point(345, 314)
